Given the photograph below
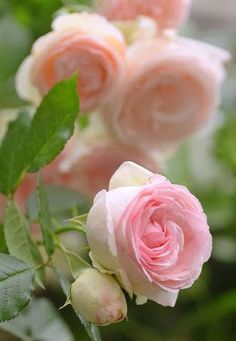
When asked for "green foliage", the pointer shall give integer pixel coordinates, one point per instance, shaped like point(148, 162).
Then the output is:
point(16, 285)
point(91, 329)
point(3, 246)
point(61, 201)
point(214, 311)
point(41, 142)
point(12, 160)
point(53, 124)
point(13, 50)
point(83, 121)
point(45, 218)
point(24, 13)
point(78, 2)
point(41, 322)
point(77, 264)
point(226, 144)
point(18, 240)
point(63, 281)
point(219, 206)
point(18, 40)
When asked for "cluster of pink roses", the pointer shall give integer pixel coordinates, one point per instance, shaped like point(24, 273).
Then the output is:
point(147, 87)
point(144, 89)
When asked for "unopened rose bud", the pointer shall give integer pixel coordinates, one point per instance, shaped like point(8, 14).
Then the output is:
point(98, 298)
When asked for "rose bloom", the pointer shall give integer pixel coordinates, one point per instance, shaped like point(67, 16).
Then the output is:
point(153, 235)
point(81, 43)
point(91, 170)
point(171, 91)
point(98, 154)
point(167, 13)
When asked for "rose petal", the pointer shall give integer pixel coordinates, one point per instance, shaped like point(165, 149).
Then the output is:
point(130, 174)
point(24, 86)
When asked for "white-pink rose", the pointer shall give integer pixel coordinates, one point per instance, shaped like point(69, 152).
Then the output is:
point(153, 235)
point(167, 13)
point(171, 90)
point(84, 43)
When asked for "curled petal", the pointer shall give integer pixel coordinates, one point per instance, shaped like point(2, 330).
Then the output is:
point(130, 174)
point(24, 87)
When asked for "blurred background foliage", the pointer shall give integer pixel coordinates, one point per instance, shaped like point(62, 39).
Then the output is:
point(206, 163)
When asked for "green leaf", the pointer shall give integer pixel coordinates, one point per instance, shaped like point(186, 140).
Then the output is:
point(16, 285)
point(91, 329)
point(18, 240)
point(83, 121)
point(41, 322)
point(53, 124)
point(61, 201)
point(77, 264)
point(28, 147)
point(64, 284)
point(226, 144)
point(45, 218)
point(12, 154)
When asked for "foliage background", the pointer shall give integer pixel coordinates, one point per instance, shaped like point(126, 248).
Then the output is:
point(206, 163)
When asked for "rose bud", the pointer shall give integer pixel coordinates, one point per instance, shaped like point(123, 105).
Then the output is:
point(172, 91)
point(98, 298)
point(167, 13)
point(81, 43)
point(152, 234)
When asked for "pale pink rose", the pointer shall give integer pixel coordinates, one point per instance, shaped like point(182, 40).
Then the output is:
point(91, 171)
point(171, 91)
point(81, 43)
point(153, 235)
point(167, 13)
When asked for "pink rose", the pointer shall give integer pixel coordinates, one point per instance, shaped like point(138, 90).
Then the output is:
point(91, 171)
point(167, 13)
point(153, 235)
point(83, 43)
point(171, 91)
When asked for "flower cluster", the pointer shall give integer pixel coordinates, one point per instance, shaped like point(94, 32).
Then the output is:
point(143, 87)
